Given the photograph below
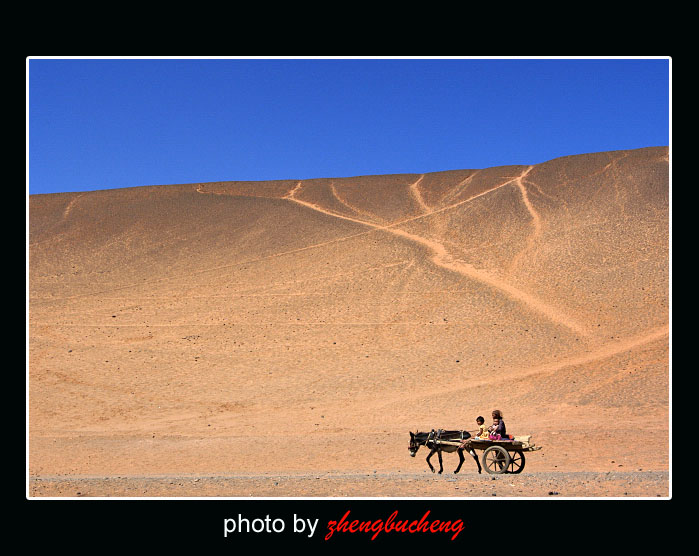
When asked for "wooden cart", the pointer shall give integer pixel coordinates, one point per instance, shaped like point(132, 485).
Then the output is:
point(501, 456)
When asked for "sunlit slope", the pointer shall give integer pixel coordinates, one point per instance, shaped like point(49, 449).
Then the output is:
point(385, 302)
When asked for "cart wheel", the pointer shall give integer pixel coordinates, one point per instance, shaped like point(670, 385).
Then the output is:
point(516, 462)
point(496, 460)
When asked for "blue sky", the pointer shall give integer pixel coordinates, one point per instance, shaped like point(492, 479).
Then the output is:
point(103, 124)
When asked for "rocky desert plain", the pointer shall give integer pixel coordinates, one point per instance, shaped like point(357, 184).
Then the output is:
point(282, 338)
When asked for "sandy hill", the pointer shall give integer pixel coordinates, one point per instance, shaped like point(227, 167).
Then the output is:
point(307, 326)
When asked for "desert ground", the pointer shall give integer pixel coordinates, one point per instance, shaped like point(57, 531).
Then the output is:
point(282, 338)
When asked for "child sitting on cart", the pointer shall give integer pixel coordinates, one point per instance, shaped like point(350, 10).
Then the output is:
point(481, 434)
point(482, 429)
point(497, 429)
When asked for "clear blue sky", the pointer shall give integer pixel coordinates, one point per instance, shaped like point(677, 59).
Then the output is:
point(103, 124)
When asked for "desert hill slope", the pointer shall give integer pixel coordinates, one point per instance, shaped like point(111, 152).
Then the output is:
point(296, 326)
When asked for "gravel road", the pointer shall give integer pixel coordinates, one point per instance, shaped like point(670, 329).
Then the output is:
point(644, 484)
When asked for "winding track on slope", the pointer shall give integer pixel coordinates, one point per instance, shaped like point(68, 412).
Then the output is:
point(536, 221)
point(415, 192)
point(443, 259)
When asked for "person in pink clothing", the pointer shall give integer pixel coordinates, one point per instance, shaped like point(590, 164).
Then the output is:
point(497, 430)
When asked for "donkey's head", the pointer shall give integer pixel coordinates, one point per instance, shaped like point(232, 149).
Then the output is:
point(413, 447)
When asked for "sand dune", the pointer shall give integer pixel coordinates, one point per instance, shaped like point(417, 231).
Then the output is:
point(306, 326)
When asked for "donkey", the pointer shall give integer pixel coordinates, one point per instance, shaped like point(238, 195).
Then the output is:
point(431, 440)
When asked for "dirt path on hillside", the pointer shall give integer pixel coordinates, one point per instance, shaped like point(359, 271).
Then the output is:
point(443, 259)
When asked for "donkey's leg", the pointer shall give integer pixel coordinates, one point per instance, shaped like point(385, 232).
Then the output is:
point(478, 463)
point(441, 467)
point(428, 458)
point(460, 451)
